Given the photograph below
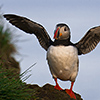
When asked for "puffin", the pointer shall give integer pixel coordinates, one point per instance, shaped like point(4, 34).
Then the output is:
point(62, 54)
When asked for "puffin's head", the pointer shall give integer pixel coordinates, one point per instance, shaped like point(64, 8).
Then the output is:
point(62, 32)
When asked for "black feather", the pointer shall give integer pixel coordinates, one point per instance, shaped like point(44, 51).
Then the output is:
point(31, 27)
point(89, 41)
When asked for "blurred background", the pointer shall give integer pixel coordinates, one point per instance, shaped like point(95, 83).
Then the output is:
point(80, 16)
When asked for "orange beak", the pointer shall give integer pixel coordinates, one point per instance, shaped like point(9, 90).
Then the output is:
point(57, 34)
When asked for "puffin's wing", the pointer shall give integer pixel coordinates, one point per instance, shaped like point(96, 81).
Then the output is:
point(31, 27)
point(89, 41)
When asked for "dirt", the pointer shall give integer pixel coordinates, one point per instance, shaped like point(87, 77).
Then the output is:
point(48, 92)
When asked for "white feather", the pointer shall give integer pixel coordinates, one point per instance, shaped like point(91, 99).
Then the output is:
point(63, 62)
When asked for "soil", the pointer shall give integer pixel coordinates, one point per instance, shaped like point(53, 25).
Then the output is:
point(48, 92)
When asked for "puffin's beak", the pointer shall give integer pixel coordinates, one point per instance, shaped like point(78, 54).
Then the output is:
point(57, 34)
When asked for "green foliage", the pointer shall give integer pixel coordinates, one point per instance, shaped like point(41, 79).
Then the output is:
point(12, 88)
point(6, 47)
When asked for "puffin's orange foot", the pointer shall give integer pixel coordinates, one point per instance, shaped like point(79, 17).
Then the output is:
point(69, 92)
point(58, 87)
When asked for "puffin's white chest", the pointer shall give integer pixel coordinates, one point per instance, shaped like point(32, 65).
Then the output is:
point(63, 62)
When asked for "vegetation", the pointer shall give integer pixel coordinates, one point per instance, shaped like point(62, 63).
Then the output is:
point(11, 87)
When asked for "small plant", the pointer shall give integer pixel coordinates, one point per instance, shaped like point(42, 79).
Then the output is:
point(12, 88)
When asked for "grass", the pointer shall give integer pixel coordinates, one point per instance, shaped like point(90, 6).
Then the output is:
point(12, 88)
point(6, 47)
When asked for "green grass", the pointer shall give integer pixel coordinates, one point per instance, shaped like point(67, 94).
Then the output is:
point(6, 47)
point(12, 88)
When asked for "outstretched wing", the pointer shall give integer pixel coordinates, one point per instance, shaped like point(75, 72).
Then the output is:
point(89, 41)
point(31, 27)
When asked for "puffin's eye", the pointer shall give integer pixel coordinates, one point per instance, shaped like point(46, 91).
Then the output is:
point(65, 29)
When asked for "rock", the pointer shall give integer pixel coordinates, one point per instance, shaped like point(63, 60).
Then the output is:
point(47, 92)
